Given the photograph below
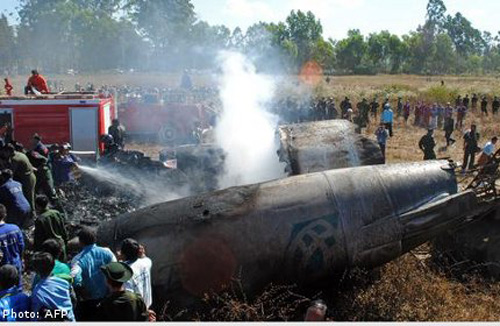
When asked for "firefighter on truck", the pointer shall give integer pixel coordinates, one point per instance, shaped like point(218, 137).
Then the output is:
point(36, 84)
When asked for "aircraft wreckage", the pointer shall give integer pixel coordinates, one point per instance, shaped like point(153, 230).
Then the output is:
point(302, 229)
point(299, 229)
point(304, 148)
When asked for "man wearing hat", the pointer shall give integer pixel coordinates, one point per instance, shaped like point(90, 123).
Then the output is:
point(427, 144)
point(120, 305)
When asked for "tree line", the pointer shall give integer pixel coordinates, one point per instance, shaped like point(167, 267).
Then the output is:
point(165, 35)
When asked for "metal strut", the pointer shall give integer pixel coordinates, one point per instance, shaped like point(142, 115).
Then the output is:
point(484, 183)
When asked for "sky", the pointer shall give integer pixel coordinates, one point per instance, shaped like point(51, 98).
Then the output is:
point(337, 16)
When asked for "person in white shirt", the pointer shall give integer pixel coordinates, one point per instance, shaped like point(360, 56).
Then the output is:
point(134, 255)
point(488, 152)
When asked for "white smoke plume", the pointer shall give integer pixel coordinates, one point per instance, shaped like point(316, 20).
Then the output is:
point(246, 131)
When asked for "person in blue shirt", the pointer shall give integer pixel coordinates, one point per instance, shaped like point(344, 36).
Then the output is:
point(11, 242)
point(89, 281)
point(11, 195)
point(387, 118)
point(382, 136)
point(61, 270)
point(38, 146)
point(51, 297)
point(14, 304)
point(63, 163)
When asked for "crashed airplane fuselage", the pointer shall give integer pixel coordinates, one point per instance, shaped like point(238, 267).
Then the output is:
point(299, 229)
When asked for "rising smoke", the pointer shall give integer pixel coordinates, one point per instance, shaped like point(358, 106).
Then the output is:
point(246, 130)
point(142, 188)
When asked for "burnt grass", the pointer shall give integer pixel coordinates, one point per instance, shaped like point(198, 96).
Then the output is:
point(85, 205)
point(415, 287)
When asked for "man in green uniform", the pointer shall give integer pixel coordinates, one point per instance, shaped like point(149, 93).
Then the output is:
point(23, 172)
point(120, 305)
point(427, 144)
point(44, 180)
point(363, 112)
point(50, 224)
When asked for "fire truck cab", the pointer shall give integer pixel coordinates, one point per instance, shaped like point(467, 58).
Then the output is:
point(78, 119)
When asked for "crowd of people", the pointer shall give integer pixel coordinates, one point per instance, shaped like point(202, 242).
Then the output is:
point(433, 117)
point(186, 92)
point(92, 285)
point(25, 172)
point(447, 118)
point(86, 283)
point(292, 110)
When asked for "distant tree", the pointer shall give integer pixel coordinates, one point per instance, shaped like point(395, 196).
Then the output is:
point(398, 50)
point(204, 43)
point(92, 35)
point(350, 51)
point(435, 17)
point(56, 35)
point(386, 52)
point(324, 54)
point(265, 48)
point(467, 39)
point(443, 58)
point(48, 40)
point(419, 52)
point(305, 31)
point(377, 48)
point(166, 24)
point(7, 45)
point(103, 7)
point(258, 37)
point(237, 39)
point(491, 61)
point(474, 64)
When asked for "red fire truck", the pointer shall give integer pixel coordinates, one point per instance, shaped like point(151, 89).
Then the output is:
point(170, 120)
point(78, 119)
